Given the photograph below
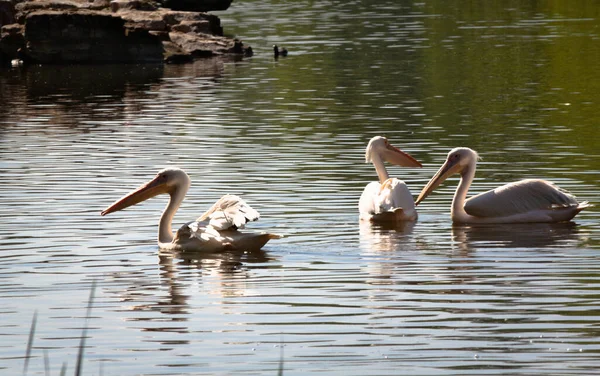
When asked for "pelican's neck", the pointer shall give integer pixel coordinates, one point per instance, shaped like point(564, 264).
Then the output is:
point(380, 168)
point(458, 212)
point(165, 233)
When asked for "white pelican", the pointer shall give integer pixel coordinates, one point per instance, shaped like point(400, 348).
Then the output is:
point(524, 201)
point(214, 231)
point(389, 198)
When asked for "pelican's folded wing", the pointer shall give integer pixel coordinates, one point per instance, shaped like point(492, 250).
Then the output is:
point(229, 211)
point(519, 197)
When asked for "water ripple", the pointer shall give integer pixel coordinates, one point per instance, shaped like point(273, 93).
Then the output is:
point(289, 135)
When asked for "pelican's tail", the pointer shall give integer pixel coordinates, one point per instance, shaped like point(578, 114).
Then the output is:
point(252, 241)
point(583, 205)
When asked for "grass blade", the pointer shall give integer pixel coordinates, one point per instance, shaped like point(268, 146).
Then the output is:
point(280, 370)
point(79, 365)
point(30, 343)
point(46, 363)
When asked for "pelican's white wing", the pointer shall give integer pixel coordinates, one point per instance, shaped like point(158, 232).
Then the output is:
point(366, 204)
point(200, 230)
point(387, 197)
point(519, 197)
point(229, 211)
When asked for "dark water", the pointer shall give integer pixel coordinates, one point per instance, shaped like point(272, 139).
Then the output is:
point(516, 82)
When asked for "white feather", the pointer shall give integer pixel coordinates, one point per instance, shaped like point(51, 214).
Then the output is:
point(229, 211)
point(203, 231)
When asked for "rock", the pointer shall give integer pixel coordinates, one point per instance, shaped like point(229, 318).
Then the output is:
point(12, 40)
point(25, 8)
point(152, 21)
point(173, 18)
point(198, 27)
point(198, 46)
point(7, 13)
point(11, 30)
point(175, 55)
point(87, 37)
point(104, 31)
point(166, 20)
point(117, 5)
point(208, 45)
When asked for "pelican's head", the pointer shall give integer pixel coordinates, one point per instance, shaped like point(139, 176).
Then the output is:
point(458, 161)
point(166, 181)
point(381, 147)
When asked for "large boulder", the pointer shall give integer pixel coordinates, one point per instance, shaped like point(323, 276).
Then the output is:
point(105, 31)
point(7, 12)
point(87, 37)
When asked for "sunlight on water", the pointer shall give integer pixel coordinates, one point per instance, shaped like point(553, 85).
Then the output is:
point(341, 297)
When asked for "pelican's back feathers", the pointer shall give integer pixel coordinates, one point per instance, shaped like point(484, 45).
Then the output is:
point(389, 201)
point(229, 211)
point(519, 197)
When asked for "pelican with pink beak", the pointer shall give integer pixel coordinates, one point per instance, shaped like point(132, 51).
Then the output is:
point(214, 231)
point(387, 200)
point(524, 201)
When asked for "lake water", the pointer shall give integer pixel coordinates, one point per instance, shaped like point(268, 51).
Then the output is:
point(514, 81)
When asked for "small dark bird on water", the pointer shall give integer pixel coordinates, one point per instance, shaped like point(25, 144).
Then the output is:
point(277, 52)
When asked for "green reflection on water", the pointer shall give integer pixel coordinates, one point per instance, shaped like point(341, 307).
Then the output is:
point(511, 78)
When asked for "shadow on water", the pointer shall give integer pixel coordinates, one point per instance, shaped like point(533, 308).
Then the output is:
point(527, 235)
point(226, 263)
point(78, 83)
point(58, 90)
point(62, 94)
point(179, 271)
point(408, 236)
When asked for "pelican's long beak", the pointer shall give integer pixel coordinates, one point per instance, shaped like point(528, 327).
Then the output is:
point(400, 158)
point(448, 169)
point(153, 188)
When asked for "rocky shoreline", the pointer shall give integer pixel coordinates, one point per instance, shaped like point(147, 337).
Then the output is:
point(119, 31)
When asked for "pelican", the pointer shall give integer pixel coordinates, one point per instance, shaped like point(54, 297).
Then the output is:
point(389, 198)
point(214, 231)
point(524, 201)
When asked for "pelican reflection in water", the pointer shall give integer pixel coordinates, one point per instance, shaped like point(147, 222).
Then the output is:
point(521, 235)
point(524, 201)
point(389, 198)
point(214, 231)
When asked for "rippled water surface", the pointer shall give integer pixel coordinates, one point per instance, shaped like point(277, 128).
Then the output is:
point(515, 82)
